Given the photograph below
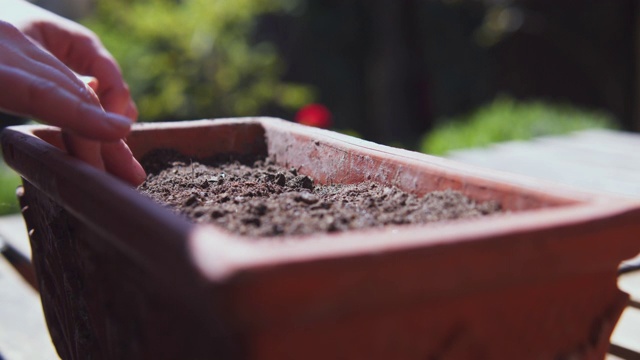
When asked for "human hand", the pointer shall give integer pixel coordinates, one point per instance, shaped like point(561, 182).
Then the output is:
point(37, 62)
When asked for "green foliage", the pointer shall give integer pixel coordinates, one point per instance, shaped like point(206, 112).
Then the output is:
point(197, 58)
point(506, 119)
point(9, 181)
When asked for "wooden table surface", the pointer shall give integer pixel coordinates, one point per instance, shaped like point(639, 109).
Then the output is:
point(602, 161)
point(596, 160)
point(23, 332)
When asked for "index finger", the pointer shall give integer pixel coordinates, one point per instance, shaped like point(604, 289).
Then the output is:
point(43, 99)
point(87, 56)
point(113, 91)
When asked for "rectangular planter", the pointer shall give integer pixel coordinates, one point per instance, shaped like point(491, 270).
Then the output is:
point(121, 277)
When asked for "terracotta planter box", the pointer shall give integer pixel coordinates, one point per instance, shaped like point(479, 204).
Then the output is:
point(122, 277)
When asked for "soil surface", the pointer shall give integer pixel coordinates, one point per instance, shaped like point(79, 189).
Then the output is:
point(256, 197)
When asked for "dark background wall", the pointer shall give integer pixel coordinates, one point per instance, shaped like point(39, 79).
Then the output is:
point(390, 69)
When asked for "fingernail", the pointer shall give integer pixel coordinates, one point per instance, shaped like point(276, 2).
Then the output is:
point(92, 96)
point(91, 81)
point(119, 121)
point(132, 111)
point(141, 175)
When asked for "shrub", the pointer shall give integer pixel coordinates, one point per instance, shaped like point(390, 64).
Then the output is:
point(507, 119)
point(197, 58)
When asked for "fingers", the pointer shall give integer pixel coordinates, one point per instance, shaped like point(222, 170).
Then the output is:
point(114, 157)
point(44, 88)
point(89, 81)
point(18, 52)
point(40, 84)
point(83, 52)
point(120, 103)
point(119, 161)
point(113, 92)
point(44, 99)
point(132, 111)
point(86, 150)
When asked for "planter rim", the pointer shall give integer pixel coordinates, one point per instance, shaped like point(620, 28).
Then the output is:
point(528, 183)
point(242, 253)
point(220, 255)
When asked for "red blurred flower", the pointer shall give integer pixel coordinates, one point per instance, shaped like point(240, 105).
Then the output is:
point(314, 115)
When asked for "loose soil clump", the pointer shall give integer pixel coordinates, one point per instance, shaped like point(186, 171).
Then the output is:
point(258, 198)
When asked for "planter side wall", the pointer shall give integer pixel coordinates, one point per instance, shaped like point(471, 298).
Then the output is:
point(100, 304)
point(508, 323)
point(201, 139)
point(346, 161)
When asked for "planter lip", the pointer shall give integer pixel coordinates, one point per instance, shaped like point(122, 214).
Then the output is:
point(246, 254)
point(530, 184)
point(219, 255)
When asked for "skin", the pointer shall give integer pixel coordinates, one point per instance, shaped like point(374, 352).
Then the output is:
point(40, 56)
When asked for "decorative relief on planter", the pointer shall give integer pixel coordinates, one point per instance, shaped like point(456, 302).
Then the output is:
point(123, 277)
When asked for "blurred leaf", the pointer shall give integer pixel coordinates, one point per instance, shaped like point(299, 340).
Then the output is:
point(507, 119)
point(197, 58)
point(9, 181)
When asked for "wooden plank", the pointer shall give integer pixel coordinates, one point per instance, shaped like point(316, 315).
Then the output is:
point(626, 335)
point(581, 176)
point(12, 227)
point(569, 150)
point(23, 334)
point(23, 331)
point(600, 161)
point(619, 352)
point(605, 141)
point(605, 154)
point(628, 140)
point(631, 265)
point(630, 283)
point(608, 147)
point(625, 340)
point(612, 357)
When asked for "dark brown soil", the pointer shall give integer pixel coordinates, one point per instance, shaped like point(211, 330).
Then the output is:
point(259, 198)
